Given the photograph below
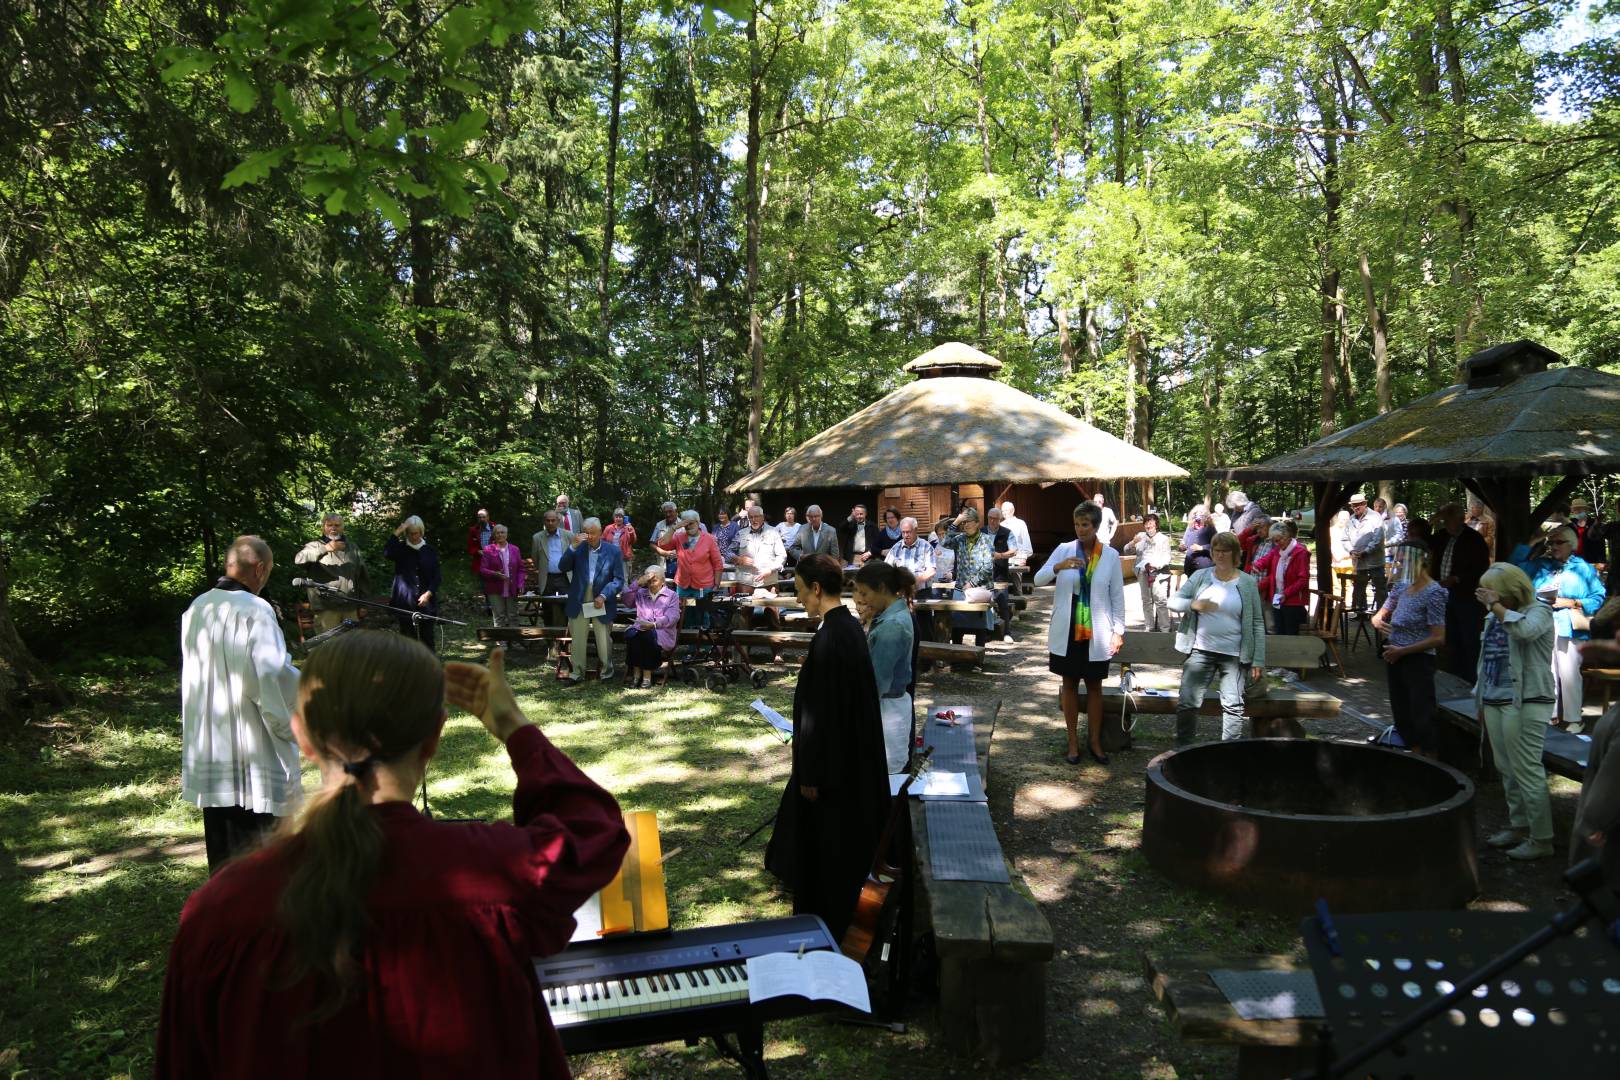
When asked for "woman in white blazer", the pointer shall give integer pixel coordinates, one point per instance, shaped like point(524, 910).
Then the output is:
point(1088, 624)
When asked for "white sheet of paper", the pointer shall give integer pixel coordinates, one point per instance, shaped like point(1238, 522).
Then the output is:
point(931, 783)
point(963, 712)
point(588, 920)
point(772, 717)
point(819, 976)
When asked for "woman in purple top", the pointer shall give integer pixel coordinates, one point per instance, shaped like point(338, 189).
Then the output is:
point(1414, 618)
point(658, 610)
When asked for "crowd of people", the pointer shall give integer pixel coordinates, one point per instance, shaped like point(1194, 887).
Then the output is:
point(317, 901)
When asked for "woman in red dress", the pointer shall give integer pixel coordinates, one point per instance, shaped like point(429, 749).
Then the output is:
point(368, 940)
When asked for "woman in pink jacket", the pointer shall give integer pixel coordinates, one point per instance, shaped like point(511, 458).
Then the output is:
point(698, 564)
point(501, 567)
point(1285, 578)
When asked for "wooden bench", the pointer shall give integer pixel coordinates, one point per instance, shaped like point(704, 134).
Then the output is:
point(992, 940)
point(943, 651)
point(1275, 714)
point(1562, 753)
point(1200, 1013)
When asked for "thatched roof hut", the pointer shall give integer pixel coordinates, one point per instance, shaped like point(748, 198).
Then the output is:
point(958, 429)
point(1512, 418)
point(956, 422)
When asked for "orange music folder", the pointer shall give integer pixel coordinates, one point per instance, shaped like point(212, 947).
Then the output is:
point(635, 900)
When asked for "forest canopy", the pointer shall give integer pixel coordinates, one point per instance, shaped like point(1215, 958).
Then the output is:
point(266, 259)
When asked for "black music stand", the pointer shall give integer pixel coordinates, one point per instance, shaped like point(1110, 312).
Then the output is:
point(1470, 993)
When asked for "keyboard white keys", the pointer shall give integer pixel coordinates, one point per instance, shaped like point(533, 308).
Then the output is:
point(575, 1003)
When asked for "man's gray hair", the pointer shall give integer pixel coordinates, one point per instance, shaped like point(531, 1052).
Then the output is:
point(689, 515)
point(1236, 500)
point(908, 521)
point(755, 508)
point(414, 522)
point(1007, 509)
point(331, 515)
point(667, 505)
point(248, 551)
point(813, 508)
point(994, 511)
point(588, 522)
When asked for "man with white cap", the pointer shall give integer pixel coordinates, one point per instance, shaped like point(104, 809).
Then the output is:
point(1364, 538)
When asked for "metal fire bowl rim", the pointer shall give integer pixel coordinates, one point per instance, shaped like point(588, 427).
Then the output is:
point(1463, 795)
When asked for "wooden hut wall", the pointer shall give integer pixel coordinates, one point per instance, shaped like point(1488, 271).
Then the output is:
point(835, 503)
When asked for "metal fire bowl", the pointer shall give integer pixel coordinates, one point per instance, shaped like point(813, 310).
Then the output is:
point(1276, 823)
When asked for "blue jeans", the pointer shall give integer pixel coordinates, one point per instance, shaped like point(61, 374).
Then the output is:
point(1200, 669)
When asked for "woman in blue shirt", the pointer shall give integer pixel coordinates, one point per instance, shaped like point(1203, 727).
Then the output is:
point(889, 640)
point(1568, 585)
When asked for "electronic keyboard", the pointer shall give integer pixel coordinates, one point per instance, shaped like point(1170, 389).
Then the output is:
point(687, 985)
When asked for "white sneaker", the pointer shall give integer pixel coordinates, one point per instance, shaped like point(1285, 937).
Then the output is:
point(608, 673)
point(1531, 849)
point(1506, 838)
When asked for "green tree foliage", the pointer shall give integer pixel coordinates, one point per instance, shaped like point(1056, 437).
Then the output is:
point(263, 260)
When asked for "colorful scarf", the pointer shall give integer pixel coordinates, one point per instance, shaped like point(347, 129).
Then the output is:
point(1082, 595)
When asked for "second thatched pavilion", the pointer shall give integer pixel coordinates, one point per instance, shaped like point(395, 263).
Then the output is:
point(952, 438)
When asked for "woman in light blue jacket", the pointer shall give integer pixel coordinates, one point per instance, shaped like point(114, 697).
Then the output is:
point(1513, 696)
point(1223, 634)
point(1567, 584)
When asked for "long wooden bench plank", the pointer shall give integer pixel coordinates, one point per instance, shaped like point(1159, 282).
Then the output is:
point(993, 942)
point(1295, 652)
point(1562, 753)
point(948, 652)
point(1303, 704)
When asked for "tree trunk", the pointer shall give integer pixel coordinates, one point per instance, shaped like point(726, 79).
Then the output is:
point(20, 673)
point(1329, 274)
point(756, 333)
point(696, 294)
point(986, 162)
point(1060, 314)
point(1463, 277)
point(604, 284)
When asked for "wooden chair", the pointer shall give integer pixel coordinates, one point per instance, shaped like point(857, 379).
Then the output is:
point(1325, 623)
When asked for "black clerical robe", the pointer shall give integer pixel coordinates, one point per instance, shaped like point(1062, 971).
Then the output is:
point(822, 850)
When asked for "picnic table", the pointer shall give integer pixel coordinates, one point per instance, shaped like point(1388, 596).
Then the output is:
point(1201, 1014)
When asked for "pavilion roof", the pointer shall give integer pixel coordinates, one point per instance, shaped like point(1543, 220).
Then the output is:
point(951, 428)
point(1545, 422)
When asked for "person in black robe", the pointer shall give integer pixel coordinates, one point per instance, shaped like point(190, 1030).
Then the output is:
point(417, 578)
point(837, 798)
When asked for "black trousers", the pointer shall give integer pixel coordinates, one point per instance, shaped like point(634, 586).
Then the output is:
point(1287, 619)
point(1465, 621)
point(1411, 700)
point(423, 630)
point(641, 651)
point(229, 831)
point(553, 614)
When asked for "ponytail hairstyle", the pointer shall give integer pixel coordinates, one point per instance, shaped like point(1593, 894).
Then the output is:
point(905, 583)
point(366, 698)
point(877, 575)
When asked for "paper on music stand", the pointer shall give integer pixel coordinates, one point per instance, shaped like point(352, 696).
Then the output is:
point(772, 717)
point(823, 975)
point(931, 783)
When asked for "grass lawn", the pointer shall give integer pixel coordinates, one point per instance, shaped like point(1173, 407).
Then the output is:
point(100, 854)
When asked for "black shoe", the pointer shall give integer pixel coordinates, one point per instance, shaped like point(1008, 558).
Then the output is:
point(1101, 759)
point(1072, 759)
point(569, 680)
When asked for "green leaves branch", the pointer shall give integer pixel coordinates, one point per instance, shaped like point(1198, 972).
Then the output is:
point(350, 85)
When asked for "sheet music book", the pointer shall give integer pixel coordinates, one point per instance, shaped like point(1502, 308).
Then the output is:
point(931, 783)
point(635, 900)
point(823, 975)
point(773, 718)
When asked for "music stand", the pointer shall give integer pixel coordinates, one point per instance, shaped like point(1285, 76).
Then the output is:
point(1470, 993)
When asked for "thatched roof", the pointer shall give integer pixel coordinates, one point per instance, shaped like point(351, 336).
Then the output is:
point(941, 359)
point(1546, 422)
point(947, 429)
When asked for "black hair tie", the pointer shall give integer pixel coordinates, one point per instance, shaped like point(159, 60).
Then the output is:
point(359, 768)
